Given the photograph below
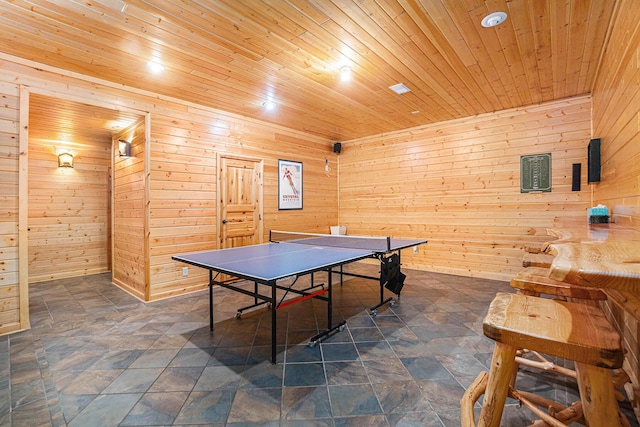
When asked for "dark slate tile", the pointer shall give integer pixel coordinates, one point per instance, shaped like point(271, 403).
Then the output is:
point(219, 377)
point(353, 400)
point(384, 370)
point(264, 375)
point(304, 374)
point(426, 367)
point(339, 352)
point(345, 373)
point(256, 405)
point(305, 403)
point(190, 357)
point(133, 381)
point(359, 421)
point(105, 410)
point(366, 334)
point(206, 407)
point(375, 350)
point(400, 397)
point(229, 356)
point(416, 419)
point(155, 409)
point(177, 379)
point(303, 353)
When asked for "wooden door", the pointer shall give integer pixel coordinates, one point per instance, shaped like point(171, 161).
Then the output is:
point(240, 209)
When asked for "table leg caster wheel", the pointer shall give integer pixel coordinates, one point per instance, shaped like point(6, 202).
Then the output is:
point(392, 302)
point(341, 328)
point(238, 315)
point(312, 344)
point(374, 313)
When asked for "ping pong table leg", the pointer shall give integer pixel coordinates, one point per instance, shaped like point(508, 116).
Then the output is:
point(273, 323)
point(390, 300)
point(330, 328)
point(329, 308)
point(211, 299)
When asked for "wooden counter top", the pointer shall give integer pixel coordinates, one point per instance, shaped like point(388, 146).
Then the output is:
point(605, 256)
point(583, 232)
point(602, 264)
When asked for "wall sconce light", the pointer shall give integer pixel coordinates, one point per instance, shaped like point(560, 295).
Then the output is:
point(65, 160)
point(124, 148)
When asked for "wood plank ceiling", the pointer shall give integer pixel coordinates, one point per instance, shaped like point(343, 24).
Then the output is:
point(69, 123)
point(235, 55)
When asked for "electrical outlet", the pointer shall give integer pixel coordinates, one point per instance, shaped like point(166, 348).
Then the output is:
point(185, 271)
point(415, 249)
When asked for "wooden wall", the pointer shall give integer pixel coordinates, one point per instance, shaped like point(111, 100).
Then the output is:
point(129, 219)
point(69, 220)
point(184, 140)
point(457, 184)
point(616, 118)
point(616, 121)
point(9, 153)
point(183, 186)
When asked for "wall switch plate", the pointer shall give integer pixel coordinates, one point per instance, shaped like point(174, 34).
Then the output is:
point(185, 271)
point(415, 249)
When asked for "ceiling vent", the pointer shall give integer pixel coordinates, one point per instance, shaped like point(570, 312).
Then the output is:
point(400, 88)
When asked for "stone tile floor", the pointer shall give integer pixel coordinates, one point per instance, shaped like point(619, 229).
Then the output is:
point(96, 356)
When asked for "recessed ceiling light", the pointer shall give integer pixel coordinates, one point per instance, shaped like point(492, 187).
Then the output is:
point(269, 105)
point(345, 74)
point(400, 88)
point(155, 67)
point(493, 19)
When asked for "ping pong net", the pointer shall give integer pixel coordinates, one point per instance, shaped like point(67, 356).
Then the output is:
point(374, 244)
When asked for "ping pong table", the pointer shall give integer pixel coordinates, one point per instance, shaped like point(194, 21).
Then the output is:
point(288, 256)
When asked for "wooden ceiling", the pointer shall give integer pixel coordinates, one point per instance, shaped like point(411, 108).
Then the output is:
point(73, 124)
point(235, 55)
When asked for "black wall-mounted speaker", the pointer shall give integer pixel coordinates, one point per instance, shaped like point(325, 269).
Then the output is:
point(593, 159)
point(337, 147)
point(575, 177)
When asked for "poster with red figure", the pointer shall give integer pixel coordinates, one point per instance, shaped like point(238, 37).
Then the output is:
point(289, 184)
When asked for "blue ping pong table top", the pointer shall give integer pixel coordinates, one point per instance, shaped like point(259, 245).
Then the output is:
point(271, 262)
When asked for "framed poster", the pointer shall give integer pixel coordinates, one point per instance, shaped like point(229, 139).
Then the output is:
point(535, 173)
point(289, 184)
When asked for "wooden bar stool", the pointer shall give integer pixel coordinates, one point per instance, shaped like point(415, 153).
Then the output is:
point(572, 331)
point(535, 281)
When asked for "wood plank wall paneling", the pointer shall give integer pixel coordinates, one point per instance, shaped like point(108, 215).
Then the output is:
point(68, 209)
point(616, 121)
point(129, 267)
point(184, 139)
point(183, 187)
point(457, 184)
point(9, 150)
point(616, 118)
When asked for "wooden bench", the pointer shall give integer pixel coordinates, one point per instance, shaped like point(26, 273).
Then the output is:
point(564, 329)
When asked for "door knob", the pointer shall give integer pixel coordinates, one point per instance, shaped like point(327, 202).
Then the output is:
point(224, 221)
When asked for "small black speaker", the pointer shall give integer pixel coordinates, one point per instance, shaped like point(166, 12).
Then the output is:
point(337, 147)
point(593, 159)
point(575, 177)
